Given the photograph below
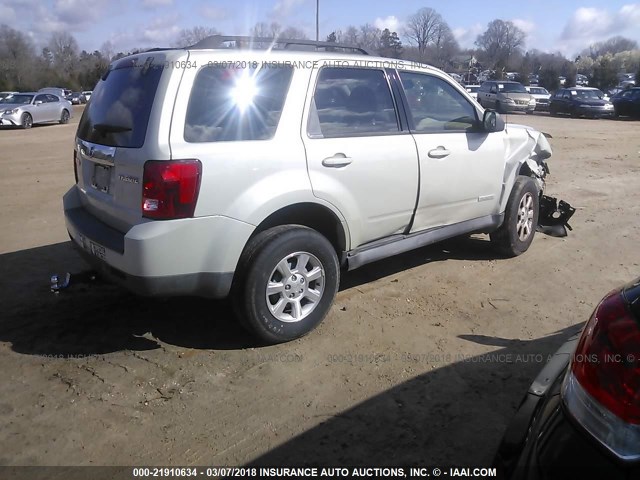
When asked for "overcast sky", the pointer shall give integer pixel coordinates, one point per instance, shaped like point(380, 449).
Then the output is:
point(567, 26)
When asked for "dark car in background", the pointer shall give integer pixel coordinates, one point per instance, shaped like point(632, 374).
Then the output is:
point(581, 415)
point(580, 102)
point(627, 102)
point(77, 98)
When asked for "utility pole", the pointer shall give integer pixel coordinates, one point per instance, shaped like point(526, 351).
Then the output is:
point(317, 20)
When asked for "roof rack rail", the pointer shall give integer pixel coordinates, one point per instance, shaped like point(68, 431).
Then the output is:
point(219, 41)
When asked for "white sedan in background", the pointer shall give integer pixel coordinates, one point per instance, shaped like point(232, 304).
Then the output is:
point(26, 109)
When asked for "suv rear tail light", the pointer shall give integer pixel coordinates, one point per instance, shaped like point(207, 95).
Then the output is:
point(170, 188)
point(602, 388)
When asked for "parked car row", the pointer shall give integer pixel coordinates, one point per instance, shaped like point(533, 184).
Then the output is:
point(76, 98)
point(507, 96)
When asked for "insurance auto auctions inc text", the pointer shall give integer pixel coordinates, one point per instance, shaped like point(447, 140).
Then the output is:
point(377, 472)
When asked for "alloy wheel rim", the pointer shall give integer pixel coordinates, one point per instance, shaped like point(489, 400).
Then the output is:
point(295, 287)
point(524, 225)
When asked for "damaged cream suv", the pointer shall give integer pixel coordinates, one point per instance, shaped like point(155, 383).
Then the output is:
point(226, 169)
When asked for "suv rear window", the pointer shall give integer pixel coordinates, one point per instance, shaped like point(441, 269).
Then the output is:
point(228, 104)
point(121, 103)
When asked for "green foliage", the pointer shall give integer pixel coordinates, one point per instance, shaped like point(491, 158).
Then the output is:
point(390, 44)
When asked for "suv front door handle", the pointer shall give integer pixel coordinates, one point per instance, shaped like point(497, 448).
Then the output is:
point(338, 160)
point(439, 152)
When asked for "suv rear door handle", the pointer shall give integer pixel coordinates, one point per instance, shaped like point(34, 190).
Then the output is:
point(439, 152)
point(338, 160)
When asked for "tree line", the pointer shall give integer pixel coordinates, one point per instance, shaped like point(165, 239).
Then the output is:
point(427, 36)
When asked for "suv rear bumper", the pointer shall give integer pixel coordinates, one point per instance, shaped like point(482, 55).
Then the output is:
point(195, 256)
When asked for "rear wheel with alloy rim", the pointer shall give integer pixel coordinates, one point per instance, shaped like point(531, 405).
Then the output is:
point(287, 280)
point(64, 117)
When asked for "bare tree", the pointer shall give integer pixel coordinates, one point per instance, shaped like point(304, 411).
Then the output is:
point(191, 36)
point(16, 59)
point(444, 45)
point(266, 30)
point(500, 41)
point(422, 28)
point(369, 37)
point(613, 45)
point(107, 51)
point(64, 48)
point(349, 37)
point(293, 33)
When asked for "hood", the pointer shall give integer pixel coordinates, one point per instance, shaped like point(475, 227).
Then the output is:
point(10, 106)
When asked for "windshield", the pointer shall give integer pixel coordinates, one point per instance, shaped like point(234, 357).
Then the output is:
point(121, 103)
point(589, 94)
point(17, 99)
point(539, 91)
point(512, 88)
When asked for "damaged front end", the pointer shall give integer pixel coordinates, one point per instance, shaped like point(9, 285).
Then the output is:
point(554, 214)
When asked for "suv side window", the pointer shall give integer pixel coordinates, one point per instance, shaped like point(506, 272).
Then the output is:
point(435, 105)
point(230, 104)
point(351, 102)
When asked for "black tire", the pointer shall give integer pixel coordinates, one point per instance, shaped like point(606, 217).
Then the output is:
point(261, 263)
point(499, 107)
point(64, 116)
point(520, 219)
point(26, 121)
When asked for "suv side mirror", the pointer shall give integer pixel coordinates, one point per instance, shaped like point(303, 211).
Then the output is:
point(492, 122)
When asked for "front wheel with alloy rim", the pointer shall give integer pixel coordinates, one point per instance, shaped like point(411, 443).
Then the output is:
point(520, 219)
point(26, 121)
point(287, 280)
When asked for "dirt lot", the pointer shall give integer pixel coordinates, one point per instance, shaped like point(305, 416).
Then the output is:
point(398, 373)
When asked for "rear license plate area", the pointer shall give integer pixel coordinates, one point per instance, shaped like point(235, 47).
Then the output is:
point(101, 178)
point(92, 247)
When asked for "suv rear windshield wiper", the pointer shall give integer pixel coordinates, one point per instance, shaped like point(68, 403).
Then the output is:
point(107, 128)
